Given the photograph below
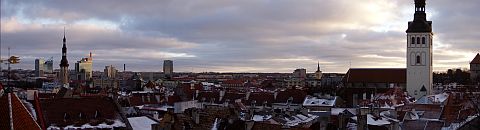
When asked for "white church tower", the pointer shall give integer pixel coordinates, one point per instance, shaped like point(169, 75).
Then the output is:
point(419, 53)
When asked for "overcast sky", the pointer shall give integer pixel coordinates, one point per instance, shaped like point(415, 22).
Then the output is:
point(236, 35)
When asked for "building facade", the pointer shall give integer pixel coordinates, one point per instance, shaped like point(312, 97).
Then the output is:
point(300, 73)
point(419, 53)
point(110, 71)
point(39, 67)
point(475, 69)
point(168, 67)
point(83, 68)
point(49, 65)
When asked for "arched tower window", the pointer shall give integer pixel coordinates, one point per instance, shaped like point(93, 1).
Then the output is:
point(418, 59)
point(423, 40)
point(418, 40)
point(413, 40)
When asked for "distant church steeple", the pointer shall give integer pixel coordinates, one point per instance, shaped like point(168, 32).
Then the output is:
point(318, 73)
point(64, 63)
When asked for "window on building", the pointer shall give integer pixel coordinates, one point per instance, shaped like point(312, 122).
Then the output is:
point(413, 40)
point(418, 59)
point(418, 40)
point(423, 40)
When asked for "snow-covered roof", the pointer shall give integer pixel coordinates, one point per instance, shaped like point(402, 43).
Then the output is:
point(315, 101)
point(261, 117)
point(336, 111)
point(372, 121)
point(159, 108)
point(431, 99)
point(141, 123)
point(299, 118)
point(116, 124)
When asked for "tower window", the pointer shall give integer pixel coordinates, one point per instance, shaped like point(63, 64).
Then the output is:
point(413, 40)
point(418, 59)
point(423, 40)
point(418, 40)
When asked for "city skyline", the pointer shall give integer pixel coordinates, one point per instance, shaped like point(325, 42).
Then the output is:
point(236, 36)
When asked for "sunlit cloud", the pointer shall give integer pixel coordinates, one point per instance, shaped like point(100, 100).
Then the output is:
point(238, 36)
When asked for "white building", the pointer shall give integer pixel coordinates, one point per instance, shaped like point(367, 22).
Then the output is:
point(419, 53)
point(84, 68)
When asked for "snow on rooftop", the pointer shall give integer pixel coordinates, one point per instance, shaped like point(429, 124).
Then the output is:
point(159, 108)
point(299, 118)
point(314, 101)
point(116, 124)
point(141, 123)
point(336, 111)
point(431, 99)
point(372, 121)
point(261, 117)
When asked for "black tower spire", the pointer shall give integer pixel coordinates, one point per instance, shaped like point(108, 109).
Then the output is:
point(419, 23)
point(64, 61)
point(318, 66)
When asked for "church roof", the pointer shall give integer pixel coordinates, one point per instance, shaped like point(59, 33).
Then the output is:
point(376, 75)
point(419, 26)
point(13, 112)
point(476, 60)
point(419, 23)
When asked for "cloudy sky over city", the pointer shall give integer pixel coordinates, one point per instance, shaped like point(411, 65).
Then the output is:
point(236, 35)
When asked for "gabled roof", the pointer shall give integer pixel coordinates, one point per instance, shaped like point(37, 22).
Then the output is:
point(476, 60)
point(13, 112)
point(62, 112)
point(376, 75)
point(297, 95)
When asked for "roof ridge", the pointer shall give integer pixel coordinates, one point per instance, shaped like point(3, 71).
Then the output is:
point(25, 108)
point(10, 113)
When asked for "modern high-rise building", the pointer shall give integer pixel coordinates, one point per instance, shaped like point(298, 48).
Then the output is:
point(84, 68)
point(300, 73)
point(419, 53)
point(39, 67)
point(49, 66)
point(64, 80)
point(168, 67)
point(110, 71)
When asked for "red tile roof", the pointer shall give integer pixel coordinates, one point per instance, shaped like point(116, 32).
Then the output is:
point(476, 60)
point(208, 96)
point(297, 95)
point(54, 111)
point(11, 106)
point(376, 75)
point(138, 99)
point(232, 96)
point(260, 98)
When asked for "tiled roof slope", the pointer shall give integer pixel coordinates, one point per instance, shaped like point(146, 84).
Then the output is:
point(476, 60)
point(13, 112)
point(376, 75)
